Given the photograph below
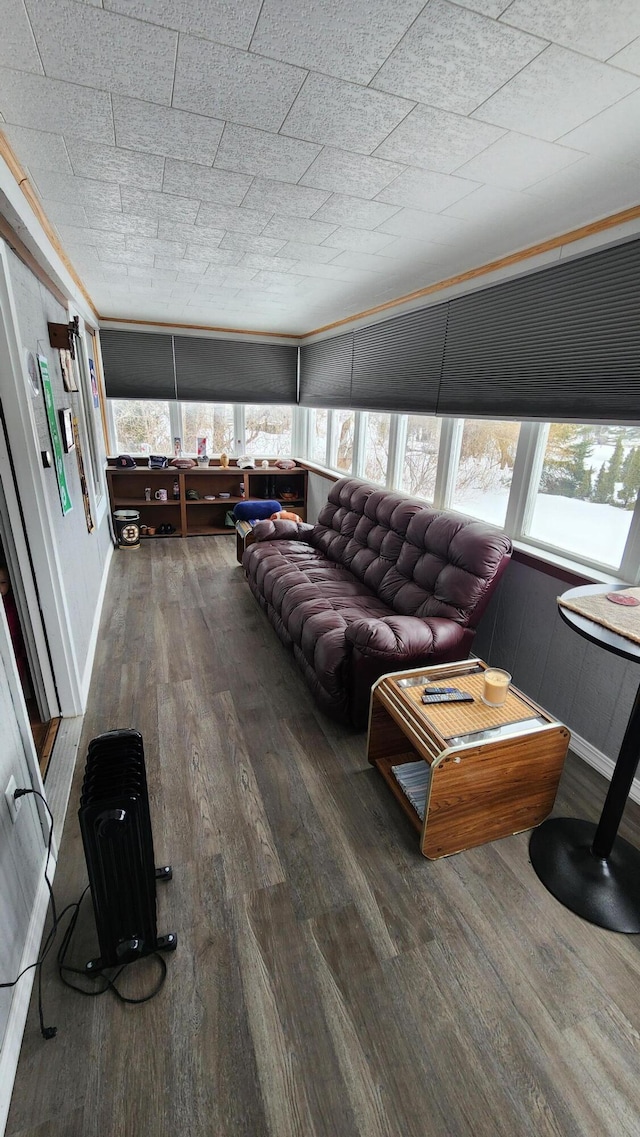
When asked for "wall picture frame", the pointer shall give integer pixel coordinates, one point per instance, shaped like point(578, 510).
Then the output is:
point(65, 415)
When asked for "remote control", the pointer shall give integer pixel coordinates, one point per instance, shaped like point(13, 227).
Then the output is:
point(454, 697)
point(440, 690)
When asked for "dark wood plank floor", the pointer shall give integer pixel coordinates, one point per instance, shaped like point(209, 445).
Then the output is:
point(329, 981)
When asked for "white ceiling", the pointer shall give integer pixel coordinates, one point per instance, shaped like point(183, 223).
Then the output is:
point(278, 165)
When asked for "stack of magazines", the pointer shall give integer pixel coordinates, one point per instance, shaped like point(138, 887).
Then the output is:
point(413, 779)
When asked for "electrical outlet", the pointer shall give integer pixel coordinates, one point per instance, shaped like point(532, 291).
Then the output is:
point(14, 806)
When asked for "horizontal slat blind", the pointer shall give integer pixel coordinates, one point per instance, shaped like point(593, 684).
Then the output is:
point(325, 372)
point(235, 371)
point(137, 365)
point(563, 343)
point(397, 364)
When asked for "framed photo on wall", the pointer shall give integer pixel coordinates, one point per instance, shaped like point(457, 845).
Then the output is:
point(66, 428)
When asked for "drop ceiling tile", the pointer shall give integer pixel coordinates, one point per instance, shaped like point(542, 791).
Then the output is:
point(159, 247)
point(613, 133)
point(112, 164)
point(206, 245)
point(593, 184)
point(180, 231)
point(228, 257)
point(491, 203)
point(157, 129)
point(556, 93)
point(178, 264)
point(258, 152)
point(275, 280)
point(238, 220)
point(68, 213)
point(420, 189)
point(152, 204)
point(629, 58)
point(73, 235)
point(301, 252)
point(344, 115)
point(192, 180)
point(586, 26)
point(320, 271)
point(128, 258)
point(431, 139)
point(83, 191)
point(517, 161)
point(493, 8)
point(46, 104)
point(280, 197)
point(270, 263)
point(361, 260)
point(38, 149)
point(425, 226)
point(407, 249)
point(353, 174)
point(127, 223)
point(355, 212)
point(104, 50)
point(224, 22)
point(358, 240)
point(250, 244)
point(235, 275)
point(17, 45)
point(454, 59)
point(347, 40)
point(298, 229)
point(153, 273)
point(224, 83)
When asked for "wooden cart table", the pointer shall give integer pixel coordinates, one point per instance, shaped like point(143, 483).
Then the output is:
point(464, 773)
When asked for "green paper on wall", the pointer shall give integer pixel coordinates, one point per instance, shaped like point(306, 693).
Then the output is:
point(54, 434)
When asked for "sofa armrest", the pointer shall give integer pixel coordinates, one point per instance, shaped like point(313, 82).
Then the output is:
point(404, 637)
point(281, 531)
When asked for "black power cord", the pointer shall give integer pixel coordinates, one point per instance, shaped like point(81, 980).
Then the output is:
point(109, 983)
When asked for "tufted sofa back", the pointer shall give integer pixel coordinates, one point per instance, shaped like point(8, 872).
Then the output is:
point(419, 560)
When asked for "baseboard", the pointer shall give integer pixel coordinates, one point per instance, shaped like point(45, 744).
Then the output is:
point(12, 1042)
point(91, 650)
point(600, 762)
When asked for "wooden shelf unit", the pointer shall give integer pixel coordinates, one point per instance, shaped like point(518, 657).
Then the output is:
point(201, 518)
point(485, 783)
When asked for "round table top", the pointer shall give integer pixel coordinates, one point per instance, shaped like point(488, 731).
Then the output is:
point(598, 634)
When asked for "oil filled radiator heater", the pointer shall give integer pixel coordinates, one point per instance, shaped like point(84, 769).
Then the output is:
point(116, 833)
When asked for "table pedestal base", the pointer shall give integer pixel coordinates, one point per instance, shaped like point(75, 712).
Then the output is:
point(605, 891)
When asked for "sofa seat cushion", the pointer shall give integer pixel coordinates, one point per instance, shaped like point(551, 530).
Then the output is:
point(316, 600)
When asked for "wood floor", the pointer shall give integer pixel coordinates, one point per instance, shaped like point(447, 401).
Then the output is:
point(329, 981)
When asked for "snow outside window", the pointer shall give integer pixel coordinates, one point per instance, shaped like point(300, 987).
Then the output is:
point(268, 431)
point(485, 469)
point(588, 487)
point(421, 456)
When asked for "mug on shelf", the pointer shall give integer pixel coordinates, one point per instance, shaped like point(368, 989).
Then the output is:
point(161, 495)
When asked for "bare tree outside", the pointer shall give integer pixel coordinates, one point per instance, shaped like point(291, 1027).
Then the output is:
point(377, 447)
point(142, 426)
point(421, 455)
point(213, 421)
point(268, 431)
point(318, 436)
point(344, 422)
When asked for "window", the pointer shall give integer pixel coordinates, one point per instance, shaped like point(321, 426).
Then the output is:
point(268, 431)
point(213, 421)
point(142, 426)
point(587, 490)
point(376, 447)
point(421, 456)
point(485, 469)
point(342, 427)
point(318, 423)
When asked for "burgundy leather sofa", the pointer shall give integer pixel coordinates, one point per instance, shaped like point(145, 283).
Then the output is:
point(380, 583)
